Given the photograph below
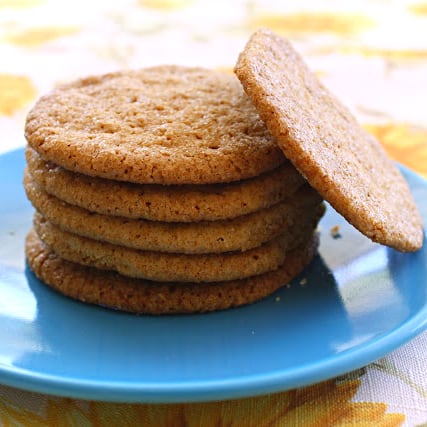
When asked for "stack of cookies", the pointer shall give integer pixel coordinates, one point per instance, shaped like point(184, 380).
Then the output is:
point(177, 190)
point(162, 191)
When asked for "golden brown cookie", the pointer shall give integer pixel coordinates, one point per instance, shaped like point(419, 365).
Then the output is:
point(158, 125)
point(164, 267)
point(112, 290)
point(237, 234)
point(180, 203)
point(320, 136)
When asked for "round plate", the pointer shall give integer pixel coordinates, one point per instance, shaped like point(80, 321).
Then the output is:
point(356, 302)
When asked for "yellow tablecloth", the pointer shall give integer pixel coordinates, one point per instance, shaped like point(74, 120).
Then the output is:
point(373, 56)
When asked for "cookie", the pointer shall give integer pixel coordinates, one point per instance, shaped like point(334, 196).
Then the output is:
point(158, 125)
point(237, 234)
point(164, 267)
point(172, 203)
point(112, 290)
point(323, 140)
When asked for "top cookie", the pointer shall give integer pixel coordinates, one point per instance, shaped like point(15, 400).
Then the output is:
point(159, 125)
point(320, 136)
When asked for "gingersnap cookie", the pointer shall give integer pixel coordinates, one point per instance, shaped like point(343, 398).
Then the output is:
point(323, 140)
point(158, 125)
point(164, 267)
point(172, 203)
point(237, 234)
point(114, 291)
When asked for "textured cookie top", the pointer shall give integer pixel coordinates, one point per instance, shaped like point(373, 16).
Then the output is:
point(320, 136)
point(164, 125)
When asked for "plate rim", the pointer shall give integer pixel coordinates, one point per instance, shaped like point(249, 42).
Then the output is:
point(204, 391)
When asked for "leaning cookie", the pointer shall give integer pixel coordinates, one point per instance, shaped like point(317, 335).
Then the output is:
point(322, 139)
point(112, 290)
point(169, 203)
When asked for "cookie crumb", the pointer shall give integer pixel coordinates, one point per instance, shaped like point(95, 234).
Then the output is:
point(277, 299)
point(335, 232)
point(303, 281)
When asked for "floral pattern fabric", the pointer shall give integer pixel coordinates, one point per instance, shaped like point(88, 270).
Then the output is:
point(372, 54)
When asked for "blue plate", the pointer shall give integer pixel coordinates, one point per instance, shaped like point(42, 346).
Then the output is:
point(356, 302)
